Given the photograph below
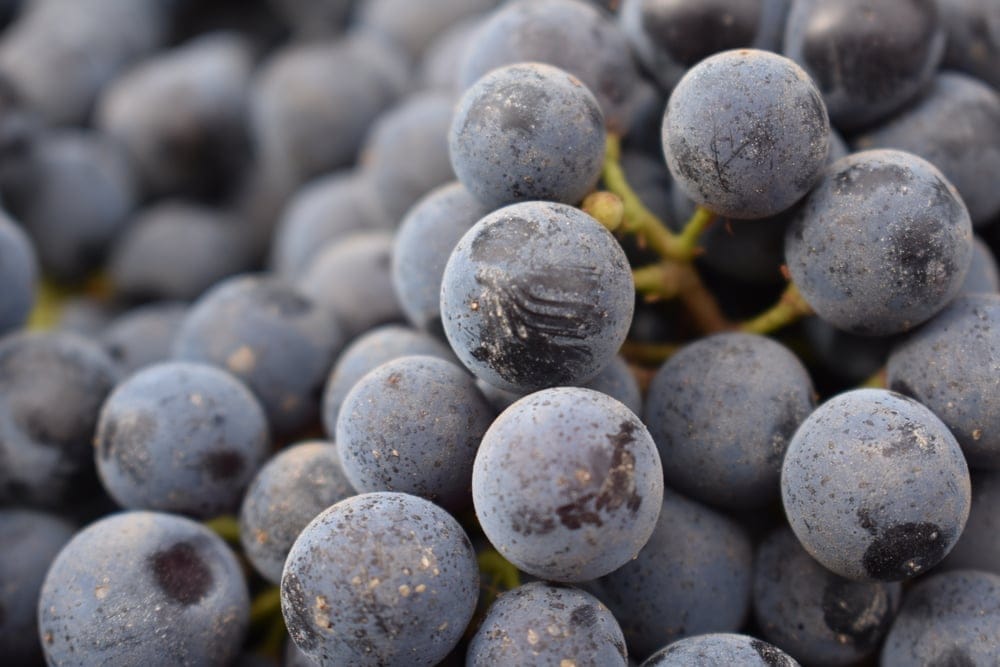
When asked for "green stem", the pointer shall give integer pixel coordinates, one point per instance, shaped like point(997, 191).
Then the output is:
point(876, 381)
point(605, 207)
point(790, 308)
point(226, 527)
point(265, 606)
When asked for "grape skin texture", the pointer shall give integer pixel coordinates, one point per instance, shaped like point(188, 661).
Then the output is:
point(379, 579)
point(720, 649)
point(527, 131)
point(745, 133)
point(875, 486)
point(952, 365)
point(952, 618)
point(541, 623)
point(18, 272)
point(881, 244)
point(535, 295)
point(979, 546)
point(144, 588)
point(567, 484)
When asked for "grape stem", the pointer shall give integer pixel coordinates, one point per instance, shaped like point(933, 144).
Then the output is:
point(226, 527)
point(878, 380)
point(671, 278)
point(790, 308)
point(648, 354)
point(639, 220)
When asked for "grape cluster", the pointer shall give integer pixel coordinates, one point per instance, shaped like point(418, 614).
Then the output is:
point(499, 332)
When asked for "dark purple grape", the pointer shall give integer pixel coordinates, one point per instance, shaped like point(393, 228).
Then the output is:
point(720, 649)
point(144, 335)
point(18, 273)
point(979, 546)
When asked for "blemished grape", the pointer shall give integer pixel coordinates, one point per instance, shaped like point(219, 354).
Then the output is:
point(527, 131)
point(745, 133)
point(875, 486)
point(811, 613)
point(180, 437)
point(288, 492)
point(379, 579)
point(952, 365)
point(720, 649)
point(143, 588)
point(693, 576)
point(536, 294)
point(722, 411)
point(881, 244)
point(951, 618)
point(542, 623)
point(413, 425)
point(567, 484)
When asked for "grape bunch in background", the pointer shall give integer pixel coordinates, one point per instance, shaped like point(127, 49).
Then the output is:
point(470, 332)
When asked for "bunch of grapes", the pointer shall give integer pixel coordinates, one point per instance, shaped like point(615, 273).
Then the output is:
point(466, 332)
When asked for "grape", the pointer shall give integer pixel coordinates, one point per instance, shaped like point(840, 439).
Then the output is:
point(692, 576)
point(31, 541)
point(984, 272)
point(143, 336)
point(440, 64)
point(180, 116)
point(527, 131)
point(269, 335)
point(368, 351)
point(351, 279)
point(952, 365)
point(541, 623)
point(406, 152)
point(952, 618)
point(881, 244)
point(979, 546)
point(143, 588)
point(722, 411)
point(414, 26)
point(954, 125)
point(868, 58)
point(287, 493)
point(413, 425)
point(568, 34)
point(18, 273)
point(324, 210)
point(536, 294)
point(745, 133)
point(51, 389)
point(973, 38)
point(814, 615)
point(426, 236)
point(720, 649)
point(567, 484)
point(379, 579)
point(314, 18)
point(177, 250)
point(180, 437)
point(875, 486)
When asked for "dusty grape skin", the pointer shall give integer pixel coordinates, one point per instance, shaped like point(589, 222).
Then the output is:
point(811, 613)
point(745, 133)
point(952, 365)
point(351, 279)
point(881, 244)
point(567, 484)
point(875, 486)
point(692, 576)
point(567, 34)
point(364, 354)
point(979, 546)
point(951, 618)
point(177, 249)
point(541, 623)
point(868, 58)
point(288, 492)
point(379, 579)
point(51, 388)
point(413, 425)
point(722, 412)
point(423, 243)
point(267, 333)
point(720, 649)
point(31, 541)
point(954, 125)
point(984, 272)
point(18, 272)
point(180, 437)
point(535, 295)
point(527, 131)
point(144, 588)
